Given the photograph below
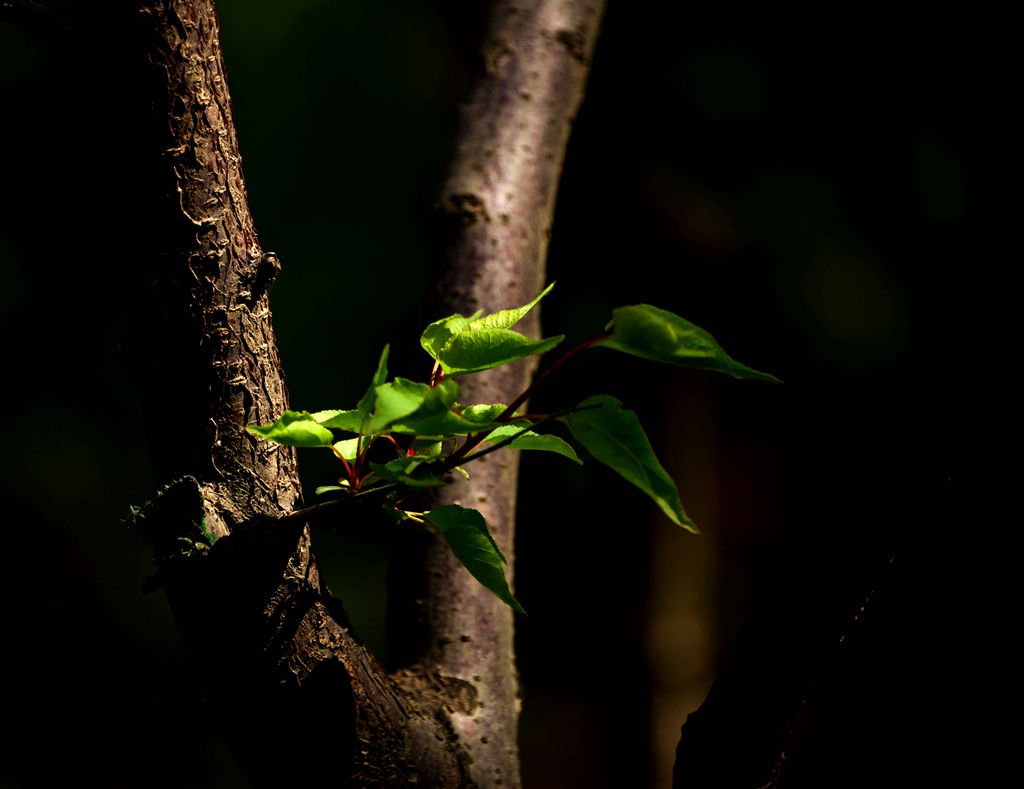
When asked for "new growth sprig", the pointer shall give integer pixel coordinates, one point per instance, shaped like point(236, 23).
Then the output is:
point(421, 433)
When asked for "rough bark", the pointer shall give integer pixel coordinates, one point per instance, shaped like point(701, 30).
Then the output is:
point(496, 211)
point(215, 278)
point(293, 690)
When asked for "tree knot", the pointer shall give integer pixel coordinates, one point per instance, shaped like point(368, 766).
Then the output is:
point(575, 43)
point(464, 209)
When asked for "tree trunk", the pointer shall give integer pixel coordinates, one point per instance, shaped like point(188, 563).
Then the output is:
point(495, 214)
point(295, 692)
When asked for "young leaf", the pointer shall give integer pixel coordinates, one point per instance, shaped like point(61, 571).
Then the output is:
point(320, 491)
point(614, 437)
point(442, 419)
point(380, 377)
point(437, 423)
point(530, 440)
point(296, 429)
point(340, 420)
point(472, 543)
point(662, 336)
point(471, 345)
point(402, 398)
point(426, 448)
point(354, 420)
point(407, 471)
point(349, 448)
point(485, 348)
point(506, 319)
point(483, 413)
point(439, 333)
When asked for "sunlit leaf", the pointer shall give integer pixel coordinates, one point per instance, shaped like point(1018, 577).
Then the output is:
point(534, 441)
point(296, 429)
point(470, 345)
point(483, 413)
point(484, 349)
point(401, 398)
point(506, 319)
point(453, 421)
point(340, 420)
point(439, 333)
point(426, 448)
point(438, 423)
point(349, 448)
point(380, 377)
point(407, 471)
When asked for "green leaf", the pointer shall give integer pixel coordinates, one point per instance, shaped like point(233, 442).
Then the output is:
point(662, 336)
point(472, 543)
point(407, 471)
point(470, 345)
point(349, 448)
point(447, 424)
point(506, 319)
point(340, 420)
point(354, 420)
point(426, 448)
point(296, 429)
point(483, 413)
point(530, 440)
point(433, 416)
point(614, 437)
point(380, 377)
point(453, 421)
point(438, 424)
point(484, 349)
point(439, 333)
point(402, 398)
point(320, 491)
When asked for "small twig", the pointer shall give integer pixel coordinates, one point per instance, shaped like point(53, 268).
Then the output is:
point(473, 441)
point(511, 409)
point(315, 509)
point(506, 441)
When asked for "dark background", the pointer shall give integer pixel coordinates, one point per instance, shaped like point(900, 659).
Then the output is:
point(824, 192)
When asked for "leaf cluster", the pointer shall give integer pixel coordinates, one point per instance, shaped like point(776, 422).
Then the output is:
point(428, 433)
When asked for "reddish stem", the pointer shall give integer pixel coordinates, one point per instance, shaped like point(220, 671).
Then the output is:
point(348, 469)
point(436, 374)
point(472, 441)
point(548, 372)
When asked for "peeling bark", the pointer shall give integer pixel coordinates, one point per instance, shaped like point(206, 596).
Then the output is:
point(211, 260)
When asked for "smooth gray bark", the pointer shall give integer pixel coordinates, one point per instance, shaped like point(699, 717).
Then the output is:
point(497, 205)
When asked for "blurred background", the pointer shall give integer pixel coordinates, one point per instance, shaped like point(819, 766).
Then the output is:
point(821, 192)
